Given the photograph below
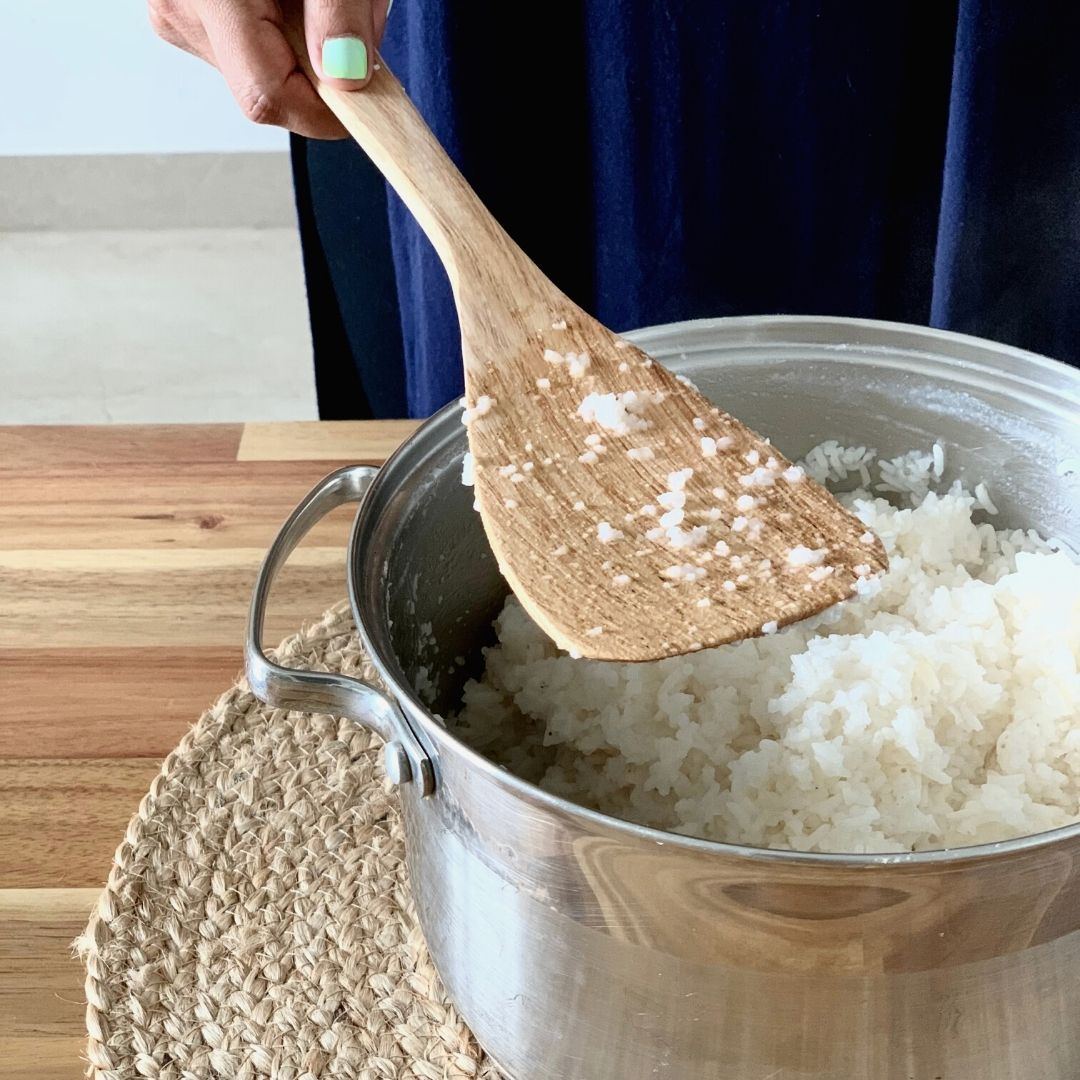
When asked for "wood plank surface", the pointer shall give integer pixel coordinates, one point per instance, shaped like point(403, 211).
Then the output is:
point(36, 953)
point(42, 1028)
point(107, 690)
point(63, 820)
point(367, 441)
point(207, 504)
point(170, 596)
point(127, 557)
point(44, 447)
point(58, 1057)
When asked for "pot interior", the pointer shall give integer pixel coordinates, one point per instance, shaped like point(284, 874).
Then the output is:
point(426, 582)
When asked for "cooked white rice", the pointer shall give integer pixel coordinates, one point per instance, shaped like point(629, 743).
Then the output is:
point(936, 710)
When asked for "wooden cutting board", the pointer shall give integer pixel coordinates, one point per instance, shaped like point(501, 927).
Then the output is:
point(127, 557)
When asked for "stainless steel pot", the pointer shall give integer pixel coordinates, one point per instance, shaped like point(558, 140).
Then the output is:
point(579, 947)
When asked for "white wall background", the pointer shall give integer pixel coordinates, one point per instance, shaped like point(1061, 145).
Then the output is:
point(90, 77)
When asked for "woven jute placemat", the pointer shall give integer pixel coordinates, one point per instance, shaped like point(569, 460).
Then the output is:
point(257, 921)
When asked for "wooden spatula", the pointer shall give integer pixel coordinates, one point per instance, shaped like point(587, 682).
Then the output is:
point(632, 518)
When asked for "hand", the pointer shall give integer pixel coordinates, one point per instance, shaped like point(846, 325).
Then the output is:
point(245, 40)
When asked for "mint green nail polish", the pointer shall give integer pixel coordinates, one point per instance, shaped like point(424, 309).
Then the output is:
point(344, 58)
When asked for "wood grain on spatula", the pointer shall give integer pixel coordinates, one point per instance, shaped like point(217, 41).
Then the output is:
point(629, 527)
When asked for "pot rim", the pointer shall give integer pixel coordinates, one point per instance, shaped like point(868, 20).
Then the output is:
point(438, 739)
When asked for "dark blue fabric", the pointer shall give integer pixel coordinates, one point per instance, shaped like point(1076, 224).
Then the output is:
point(912, 161)
point(1008, 253)
point(352, 297)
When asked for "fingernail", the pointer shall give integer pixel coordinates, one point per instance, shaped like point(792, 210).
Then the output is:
point(344, 58)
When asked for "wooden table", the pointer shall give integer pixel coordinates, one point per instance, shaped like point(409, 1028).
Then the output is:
point(127, 557)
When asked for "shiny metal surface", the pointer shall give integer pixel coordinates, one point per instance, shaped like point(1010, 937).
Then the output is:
point(396, 763)
point(578, 947)
point(341, 695)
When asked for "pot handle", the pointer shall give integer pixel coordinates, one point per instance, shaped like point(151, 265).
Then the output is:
point(316, 691)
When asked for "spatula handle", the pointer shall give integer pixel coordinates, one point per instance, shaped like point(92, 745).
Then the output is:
point(386, 124)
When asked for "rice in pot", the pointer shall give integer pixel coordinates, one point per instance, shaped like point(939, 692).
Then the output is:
point(936, 710)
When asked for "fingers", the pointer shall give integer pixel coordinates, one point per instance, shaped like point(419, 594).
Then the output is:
point(250, 49)
point(175, 23)
point(342, 36)
point(379, 10)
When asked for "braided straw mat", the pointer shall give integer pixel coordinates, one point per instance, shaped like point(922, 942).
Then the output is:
point(257, 920)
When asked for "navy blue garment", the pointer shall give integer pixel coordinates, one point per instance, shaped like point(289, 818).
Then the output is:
point(352, 296)
point(1008, 254)
point(910, 161)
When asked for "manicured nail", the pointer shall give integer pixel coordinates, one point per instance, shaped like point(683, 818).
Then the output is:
point(344, 58)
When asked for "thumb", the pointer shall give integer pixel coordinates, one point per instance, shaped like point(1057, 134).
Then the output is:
point(341, 41)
